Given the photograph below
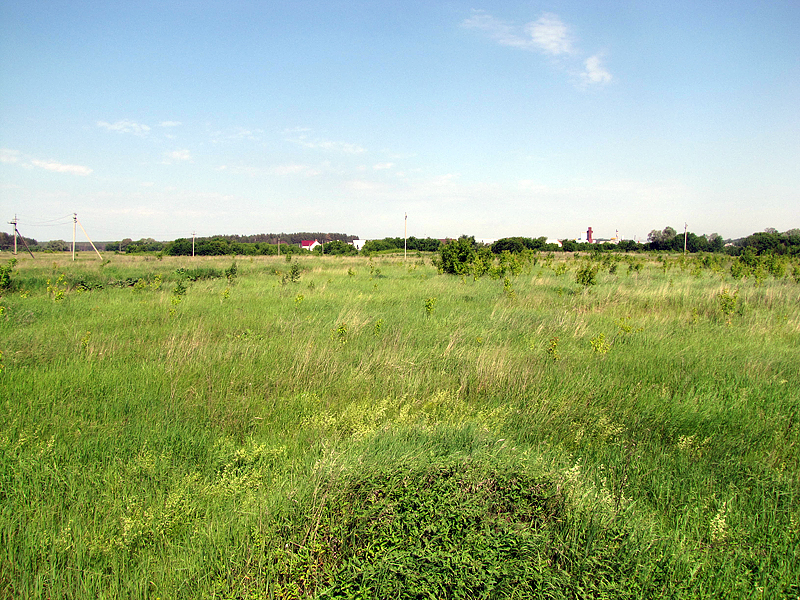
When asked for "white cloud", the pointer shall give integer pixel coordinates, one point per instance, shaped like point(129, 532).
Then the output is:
point(125, 126)
point(383, 166)
point(9, 156)
point(61, 168)
point(550, 35)
point(170, 124)
point(595, 72)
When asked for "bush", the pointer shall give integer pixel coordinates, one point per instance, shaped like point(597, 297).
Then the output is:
point(5, 274)
point(457, 256)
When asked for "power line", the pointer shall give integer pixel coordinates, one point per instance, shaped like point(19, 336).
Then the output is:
point(48, 222)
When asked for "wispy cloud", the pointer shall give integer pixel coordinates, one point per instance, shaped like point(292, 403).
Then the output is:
point(296, 169)
point(61, 168)
point(548, 35)
point(246, 134)
point(301, 137)
point(383, 166)
point(238, 133)
point(9, 156)
point(182, 155)
point(170, 124)
point(125, 126)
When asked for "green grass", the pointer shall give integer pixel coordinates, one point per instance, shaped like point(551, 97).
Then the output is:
point(375, 429)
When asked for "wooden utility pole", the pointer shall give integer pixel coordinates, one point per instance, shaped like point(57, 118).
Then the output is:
point(18, 234)
point(193, 234)
point(100, 256)
point(14, 223)
point(405, 240)
point(685, 228)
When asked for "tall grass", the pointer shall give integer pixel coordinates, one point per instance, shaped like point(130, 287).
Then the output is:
point(341, 435)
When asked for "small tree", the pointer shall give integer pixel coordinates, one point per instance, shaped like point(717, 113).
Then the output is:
point(586, 275)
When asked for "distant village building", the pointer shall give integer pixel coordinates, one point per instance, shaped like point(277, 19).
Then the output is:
point(359, 244)
point(309, 244)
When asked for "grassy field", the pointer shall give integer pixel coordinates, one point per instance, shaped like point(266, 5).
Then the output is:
point(368, 428)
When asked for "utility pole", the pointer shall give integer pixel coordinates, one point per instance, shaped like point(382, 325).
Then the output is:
point(100, 256)
point(18, 234)
point(193, 234)
point(405, 240)
point(74, 228)
point(685, 228)
point(14, 223)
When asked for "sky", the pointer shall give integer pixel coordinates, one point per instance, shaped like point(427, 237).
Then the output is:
point(493, 119)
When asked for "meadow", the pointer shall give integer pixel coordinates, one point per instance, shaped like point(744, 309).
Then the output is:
point(354, 427)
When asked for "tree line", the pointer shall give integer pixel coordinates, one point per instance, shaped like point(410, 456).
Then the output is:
point(668, 239)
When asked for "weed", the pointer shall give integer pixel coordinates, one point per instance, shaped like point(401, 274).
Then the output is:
point(508, 290)
point(727, 304)
point(599, 344)
point(231, 272)
point(179, 289)
point(340, 333)
point(226, 293)
point(552, 350)
point(58, 289)
point(85, 341)
point(429, 304)
point(298, 300)
point(294, 273)
point(378, 327)
point(718, 528)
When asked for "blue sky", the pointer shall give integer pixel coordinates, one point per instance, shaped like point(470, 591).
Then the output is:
point(493, 119)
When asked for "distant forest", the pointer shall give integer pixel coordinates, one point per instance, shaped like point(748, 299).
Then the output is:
point(668, 239)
